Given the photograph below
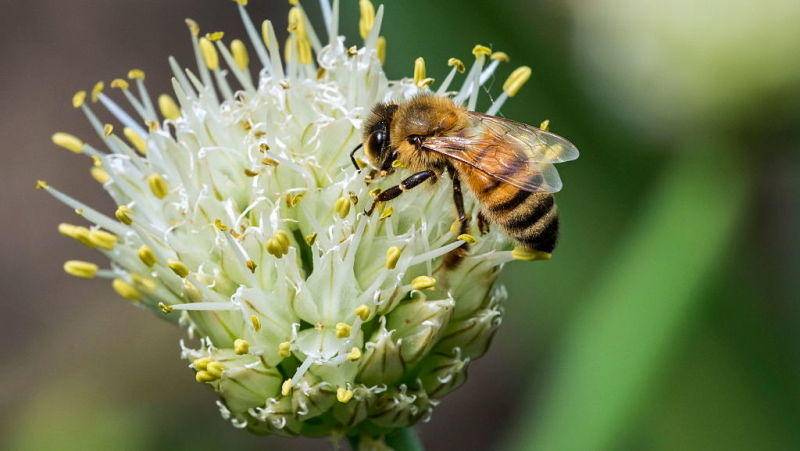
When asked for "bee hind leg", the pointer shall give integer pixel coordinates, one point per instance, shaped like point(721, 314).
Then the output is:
point(483, 223)
point(394, 191)
point(454, 257)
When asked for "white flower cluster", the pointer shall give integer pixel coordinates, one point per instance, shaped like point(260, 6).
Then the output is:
point(240, 217)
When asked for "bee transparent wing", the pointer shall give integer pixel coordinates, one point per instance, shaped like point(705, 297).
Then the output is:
point(508, 151)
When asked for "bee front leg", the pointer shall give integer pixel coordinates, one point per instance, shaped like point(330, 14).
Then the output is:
point(458, 199)
point(394, 191)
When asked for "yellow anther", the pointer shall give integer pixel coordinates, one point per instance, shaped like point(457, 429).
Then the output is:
point(545, 125)
point(387, 212)
point(344, 395)
point(311, 238)
point(178, 267)
point(304, 49)
point(41, 184)
point(342, 207)
point(294, 2)
point(108, 129)
point(286, 387)
point(255, 322)
point(136, 74)
point(203, 377)
point(251, 173)
point(354, 354)
point(123, 214)
point(103, 239)
point(141, 281)
point(99, 174)
point(380, 49)
point(136, 140)
point(392, 256)
point(241, 346)
point(67, 141)
point(270, 162)
point(158, 186)
point(466, 237)
point(125, 290)
point(79, 268)
point(521, 253)
point(219, 225)
point(274, 247)
point(215, 369)
point(283, 239)
point(342, 330)
point(265, 32)
point(165, 309)
point(251, 265)
point(367, 19)
point(191, 292)
point(169, 109)
point(458, 64)
point(481, 51)
point(397, 164)
point(419, 70)
point(210, 55)
point(201, 363)
point(285, 349)
point(374, 192)
point(516, 80)
point(194, 28)
point(240, 56)
point(119, 83)
point(146, 255)
point(241, 2)
point(500, 56)
point(215, 36)
point(292, 199)
point(78, 99)
point(77, 233)
point(295, 22)
point(362, 311)
point(97, 89)
point(423, 283)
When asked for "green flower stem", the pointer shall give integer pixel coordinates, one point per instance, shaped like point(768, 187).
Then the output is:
point(405, 439)
point(610, 357)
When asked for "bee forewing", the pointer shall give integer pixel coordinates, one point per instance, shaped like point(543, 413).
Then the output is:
point(537, 145)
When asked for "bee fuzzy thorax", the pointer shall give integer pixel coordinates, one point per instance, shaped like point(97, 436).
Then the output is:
point(316, 299)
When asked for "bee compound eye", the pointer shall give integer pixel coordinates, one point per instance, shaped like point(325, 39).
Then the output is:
point(415, 140)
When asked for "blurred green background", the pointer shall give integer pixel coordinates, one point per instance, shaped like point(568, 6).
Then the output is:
point(668, 318)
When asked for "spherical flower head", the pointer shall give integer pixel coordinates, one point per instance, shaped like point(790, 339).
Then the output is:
point(241, 218)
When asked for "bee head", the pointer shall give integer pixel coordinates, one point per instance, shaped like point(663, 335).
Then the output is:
point(376, 138)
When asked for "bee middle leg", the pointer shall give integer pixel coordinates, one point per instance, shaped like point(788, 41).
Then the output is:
point(483, 223)
point(394, 191)
point(458, 199)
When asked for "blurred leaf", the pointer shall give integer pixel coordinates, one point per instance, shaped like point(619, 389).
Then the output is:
point(613, 350)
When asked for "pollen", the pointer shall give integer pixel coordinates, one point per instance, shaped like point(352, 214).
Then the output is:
point(310, 239)
point(103, 239)
point(210, 56)
point(158, 186)
point(146, 255)
point(545, 125)
point(215, 369)
point(136, 74)
point(344, 395)
point(123, 214)
point(387, 212)
point(168, 108)
point(342, 330)
point(78, 99)
point(419, 71)
point(178, 267)
point(203, 377)
point(119, 83)
point(481, 51)
point(126, 290)
point(78, 233)
point(342, 207)
point(136, 140)
point(500, 56)
point(284, 349)
point(251, 265)
point(215, 36)
point(240, 346)
point(362, 311)
point(79, 268)
point(367, 19)
point(240, 56)
point(423, 283)
point(392, 256)
point(41, 184)
point(108, 129)
point(516, 80)
point(67, 141)
point(165, 309)
point(241, 2)
point(99, 174)
point(201, 363)
point(354, 354)
point(521, 253)
point(457, 64)
point(466, 237)
point(97, 89)
point(286, 387)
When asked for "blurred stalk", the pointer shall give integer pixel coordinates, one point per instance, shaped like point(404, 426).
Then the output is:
point(609, 359)
point(405, 439)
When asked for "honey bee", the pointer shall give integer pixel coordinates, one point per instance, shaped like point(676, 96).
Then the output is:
point(507, 165)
